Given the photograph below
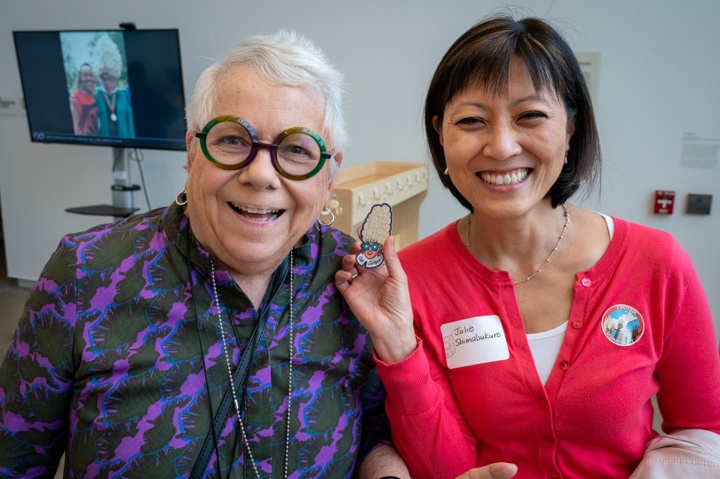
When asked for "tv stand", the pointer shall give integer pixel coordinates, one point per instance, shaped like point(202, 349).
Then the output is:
point(122, 191)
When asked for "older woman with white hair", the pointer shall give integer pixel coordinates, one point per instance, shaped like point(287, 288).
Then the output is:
point(207, 338)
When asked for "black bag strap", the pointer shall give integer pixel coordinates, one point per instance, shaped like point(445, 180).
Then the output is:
point(240, 375)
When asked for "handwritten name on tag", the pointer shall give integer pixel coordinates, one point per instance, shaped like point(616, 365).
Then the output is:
point(475, 340)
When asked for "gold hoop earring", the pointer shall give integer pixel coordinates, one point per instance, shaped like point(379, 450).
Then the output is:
point(184, 200)
point(325, 213)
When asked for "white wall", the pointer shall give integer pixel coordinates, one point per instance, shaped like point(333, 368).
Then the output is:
point(658, 79)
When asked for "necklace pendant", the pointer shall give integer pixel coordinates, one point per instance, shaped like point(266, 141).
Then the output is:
point(113, 117)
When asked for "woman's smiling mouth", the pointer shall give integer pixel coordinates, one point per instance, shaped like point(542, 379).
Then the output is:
point(500, 179)
point(256, 213)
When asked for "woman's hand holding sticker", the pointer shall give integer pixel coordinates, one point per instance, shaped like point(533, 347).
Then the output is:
point(376, 290)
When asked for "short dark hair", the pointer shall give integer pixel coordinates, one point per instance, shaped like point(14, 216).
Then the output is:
point(482, 57)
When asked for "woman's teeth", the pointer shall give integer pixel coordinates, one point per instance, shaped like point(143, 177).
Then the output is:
point(505, 179)
point(258, 214)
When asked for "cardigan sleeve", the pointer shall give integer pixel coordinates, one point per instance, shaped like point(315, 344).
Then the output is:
point(428, 427)
point(688, 369)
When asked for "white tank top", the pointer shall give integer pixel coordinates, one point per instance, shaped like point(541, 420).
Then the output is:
point(545, 346)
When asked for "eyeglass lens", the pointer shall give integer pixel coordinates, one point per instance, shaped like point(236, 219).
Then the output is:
point(230, 143)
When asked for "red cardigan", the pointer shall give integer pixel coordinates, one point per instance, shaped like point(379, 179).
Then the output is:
point(594, 415)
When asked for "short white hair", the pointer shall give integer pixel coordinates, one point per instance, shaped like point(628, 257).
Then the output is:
point(285, 58)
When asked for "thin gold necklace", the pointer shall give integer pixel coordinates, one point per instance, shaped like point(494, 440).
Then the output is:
point(552, 253)
point(230, 376)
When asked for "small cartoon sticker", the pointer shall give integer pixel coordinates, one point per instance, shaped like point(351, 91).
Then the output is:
point(623, 325)
point(373, 233)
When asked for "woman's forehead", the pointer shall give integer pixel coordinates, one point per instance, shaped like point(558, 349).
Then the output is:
point(241, 91)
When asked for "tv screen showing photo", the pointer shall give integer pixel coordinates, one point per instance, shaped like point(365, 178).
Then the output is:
point(107, 88)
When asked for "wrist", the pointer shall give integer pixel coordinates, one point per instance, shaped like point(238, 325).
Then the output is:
point(395, 351)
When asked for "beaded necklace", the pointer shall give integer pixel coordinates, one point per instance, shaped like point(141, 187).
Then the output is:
point(230, 375)
point(552, 253)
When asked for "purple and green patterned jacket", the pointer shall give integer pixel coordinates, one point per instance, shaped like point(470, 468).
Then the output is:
point(117, 361)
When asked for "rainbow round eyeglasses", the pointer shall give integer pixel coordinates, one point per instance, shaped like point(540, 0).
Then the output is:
point(230, 143)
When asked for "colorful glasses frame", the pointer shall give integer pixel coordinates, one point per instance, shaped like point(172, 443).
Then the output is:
point(257, 144)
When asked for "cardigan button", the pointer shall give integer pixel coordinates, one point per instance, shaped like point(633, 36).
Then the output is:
point(587, 282)
point(577, 324)
point(564, 365)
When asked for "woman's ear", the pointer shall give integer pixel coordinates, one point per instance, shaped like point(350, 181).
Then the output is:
point(338, 157)
point(190, 147)
point(438, 129)
point(570, 132)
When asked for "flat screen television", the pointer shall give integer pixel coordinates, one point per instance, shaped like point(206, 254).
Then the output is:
point(119, 88)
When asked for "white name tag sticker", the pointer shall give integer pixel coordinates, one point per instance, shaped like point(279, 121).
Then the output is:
point(475, 340)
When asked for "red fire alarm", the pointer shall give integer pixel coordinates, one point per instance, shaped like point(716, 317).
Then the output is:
point(664, 201)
